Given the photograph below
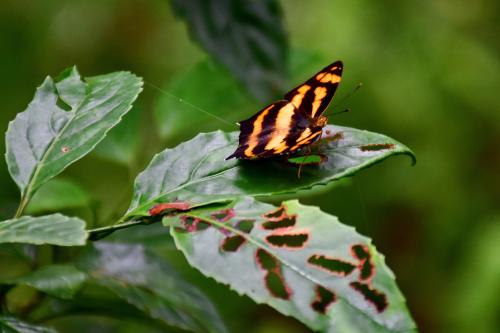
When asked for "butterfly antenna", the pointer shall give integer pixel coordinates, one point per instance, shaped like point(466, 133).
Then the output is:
point(339, 112)
point(356, 88)
point(188, 104)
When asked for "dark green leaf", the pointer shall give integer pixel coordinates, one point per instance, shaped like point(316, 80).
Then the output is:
point(65, 121)
point(55, 229)
point(61, 281)
point(246, 36)
point(299, 260)
point(12, 325)
point(197, 173)
point(56, 195)
point(147, 282)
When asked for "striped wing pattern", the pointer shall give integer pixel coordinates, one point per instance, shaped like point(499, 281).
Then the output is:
point(287, 125)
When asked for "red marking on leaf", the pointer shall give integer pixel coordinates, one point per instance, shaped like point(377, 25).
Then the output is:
point(192, 224)
point(276, 214)
point(233, 243)
point(295, 240)
point(245, 225)
point(377, 146)
point(373, 296)
point(65, 149)
point(365, 266)
point(161, 208)
point(331, 265)
point(324, 298)
point(273, 279)
point(223, 215)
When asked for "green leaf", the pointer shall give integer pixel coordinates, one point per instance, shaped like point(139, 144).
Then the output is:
point(298, 259)
point(146, 281)
point(65, 121)
point(56, 195)
point(176, 118)
point(196, 172)
point(247, 37)
point(61, 281)
point(55, 229)
point(12, 325)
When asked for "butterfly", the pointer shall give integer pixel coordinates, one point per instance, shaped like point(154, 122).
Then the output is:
point(292, 123)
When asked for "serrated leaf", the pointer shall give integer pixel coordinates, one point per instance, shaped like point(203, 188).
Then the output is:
point(10, 324)
point(61, 281)
point(196, 172)
point(298, 259)
point(247, 37)
point(146, 281)
point(55, 229)
point(56, 195)
point(65, 121)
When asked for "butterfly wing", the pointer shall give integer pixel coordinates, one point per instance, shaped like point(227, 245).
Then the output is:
point(313, 96)
point(277, 129)
point(288, 125)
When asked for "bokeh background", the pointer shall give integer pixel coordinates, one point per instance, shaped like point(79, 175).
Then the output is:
point(431, 74)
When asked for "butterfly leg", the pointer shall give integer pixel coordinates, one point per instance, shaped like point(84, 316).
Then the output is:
point(309, 152)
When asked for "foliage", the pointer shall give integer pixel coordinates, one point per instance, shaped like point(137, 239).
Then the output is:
point(287, 255)
point(436, 223)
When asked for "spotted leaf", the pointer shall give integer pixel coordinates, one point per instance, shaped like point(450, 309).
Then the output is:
point(327, 277)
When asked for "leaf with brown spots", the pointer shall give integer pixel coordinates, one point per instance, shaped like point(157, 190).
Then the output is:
point(314, 269)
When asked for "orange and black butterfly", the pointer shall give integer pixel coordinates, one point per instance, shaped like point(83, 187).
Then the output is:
point(292, 123)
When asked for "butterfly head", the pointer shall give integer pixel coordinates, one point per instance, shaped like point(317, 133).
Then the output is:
point(321, 121)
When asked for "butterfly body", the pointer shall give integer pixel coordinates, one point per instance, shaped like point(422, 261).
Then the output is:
point(295, 122)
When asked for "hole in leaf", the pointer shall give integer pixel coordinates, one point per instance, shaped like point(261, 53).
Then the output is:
point(192, 224)
point(331, 265)
point(276, 285)
point(324, 298)
point(360, 251)
point(233, 243)
point(160, 208)
point(375, 297)
point(295, 241)
point(274, 280)
point(377, 146)
point(266, 260)
point(283, 222)
point(275, 214)
point(223, 215)
point(365, 266)
point(245, 225)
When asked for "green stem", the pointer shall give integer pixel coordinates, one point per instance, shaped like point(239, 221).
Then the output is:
point(98, 233)
point(22, 205)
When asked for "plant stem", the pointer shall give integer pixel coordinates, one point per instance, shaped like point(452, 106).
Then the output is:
point(98, 233)
point(22, 205)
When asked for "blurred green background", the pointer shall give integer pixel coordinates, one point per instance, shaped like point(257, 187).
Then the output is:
point(430, 72)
